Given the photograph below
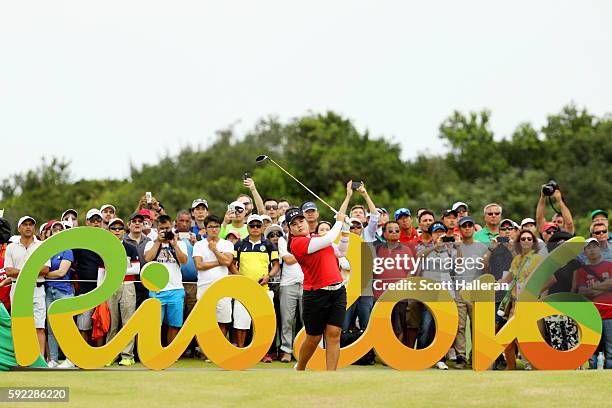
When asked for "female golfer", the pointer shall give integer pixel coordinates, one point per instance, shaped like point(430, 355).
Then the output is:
point(324, 293)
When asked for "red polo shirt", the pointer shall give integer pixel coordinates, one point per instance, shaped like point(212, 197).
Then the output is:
point(412, 236)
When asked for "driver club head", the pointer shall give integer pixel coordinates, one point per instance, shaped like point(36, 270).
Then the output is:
point(261, 158)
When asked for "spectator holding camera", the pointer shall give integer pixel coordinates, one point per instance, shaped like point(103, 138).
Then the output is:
point(234, 220)
point(172, 253)
point(563, 219)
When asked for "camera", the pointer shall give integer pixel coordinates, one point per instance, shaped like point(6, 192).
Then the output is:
point(503, 240)
point(448, 239)
point(356, 184)
point(246, 175)
point(168, 235)
point(549, 188)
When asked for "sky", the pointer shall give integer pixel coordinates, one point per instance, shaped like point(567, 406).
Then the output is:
point(106, 84)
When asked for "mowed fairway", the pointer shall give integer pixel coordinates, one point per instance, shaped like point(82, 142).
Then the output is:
point(193, 383)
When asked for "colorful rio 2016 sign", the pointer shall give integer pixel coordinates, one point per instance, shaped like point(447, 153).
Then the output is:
point(379, 335)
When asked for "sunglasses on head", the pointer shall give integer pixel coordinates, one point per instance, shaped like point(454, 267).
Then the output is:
point(526, 239)
point(255, 225)
point(271, 207)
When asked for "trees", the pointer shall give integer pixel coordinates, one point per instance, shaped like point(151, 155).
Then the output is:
point(324, 150)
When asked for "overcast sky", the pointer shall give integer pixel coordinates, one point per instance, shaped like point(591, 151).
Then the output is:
point(106, 83)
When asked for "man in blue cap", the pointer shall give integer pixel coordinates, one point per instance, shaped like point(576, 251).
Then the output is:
point(407, 232)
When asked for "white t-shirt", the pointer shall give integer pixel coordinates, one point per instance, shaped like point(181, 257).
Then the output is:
point(166, 258)
point(16, 256)
point(207, 277)
point(291, 274)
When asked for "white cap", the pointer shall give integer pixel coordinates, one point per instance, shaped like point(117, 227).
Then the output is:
point(92, 212)
point(114, 220)
point(590, 240)
point(352, 220)
point(254, 217)
point(105, 206)
point(238, 204)
point(459, 204)
point(266, 217)
point(40, 230)
point(70, 210)
point(25, 218)
point(199, 201)
point(271, 228)
point(527, 221)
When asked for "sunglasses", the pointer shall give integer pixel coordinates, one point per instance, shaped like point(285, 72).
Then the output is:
point(271, 207)
point(116, 228)
point(600, 232)
point(275, 234)
point(57, 229)
point(490, 214)
point(356, 227)
point(506, 229)
point(467, 225)
point(526, 239)
point(393, 231)
point(239, 210)
point(551, 231)
point(255, 225)
point(95, 219)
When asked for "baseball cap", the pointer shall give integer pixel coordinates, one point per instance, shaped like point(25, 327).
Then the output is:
point(234, 233)
point(25, 218)
point(254, 217)
point(597, 212)
point(237, 204)
point(352, 220)
point(463, 220)
point(105, 206)
point(589, 241)
point(272, 228)
point(437, 226)
point(309, 205)
point(459, 204)
point(265, 217)
point(293, 213)
point(145, 212)
point(115, 220)
point(92, 212)
point(136, 215)
point(401, 212)
point(527, 221)
point(382, 210)
point(507, 221)
point(448, 213)
point(68, 211)
point(548, 225)
point(199, 201)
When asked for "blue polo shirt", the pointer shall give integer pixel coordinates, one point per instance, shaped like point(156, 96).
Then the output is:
point(61, 284)
point(188, 270)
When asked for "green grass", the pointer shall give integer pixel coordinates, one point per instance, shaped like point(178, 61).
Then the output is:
point(195, 383)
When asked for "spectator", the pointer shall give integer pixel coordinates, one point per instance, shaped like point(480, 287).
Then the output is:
point(57, 286)
point(471, 269)
point(435, 265)
point(311, 213)
point(234, 220)
point(5, 235)
point(148, 226)
point(108, 212)
point(71, 216)
point(271, 210)
point(247, 203)
point(212, 257)
point(601, 216)
point(233, 236)
point(524, 263)
point(17, 253)
point(404, 219)
point(383, 217)
point(171, 252)
point(547, 231)
point(462, 210)
point(368, 234)
point(492, 215)
point(138, 239)
point(257, 259)
point(449, 218)
point(599, 231)
point(183, 224)
point(266, 220)
point(358, 212)
point(291, 295)
point(425, 219)
point(250, 184)
point(530, 225)
point(122, 304)
point(563, 220)
point(283, 205)
point(594, 280)
point(199, 212)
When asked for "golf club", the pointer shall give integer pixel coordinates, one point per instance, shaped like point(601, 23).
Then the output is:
point(263, 157)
